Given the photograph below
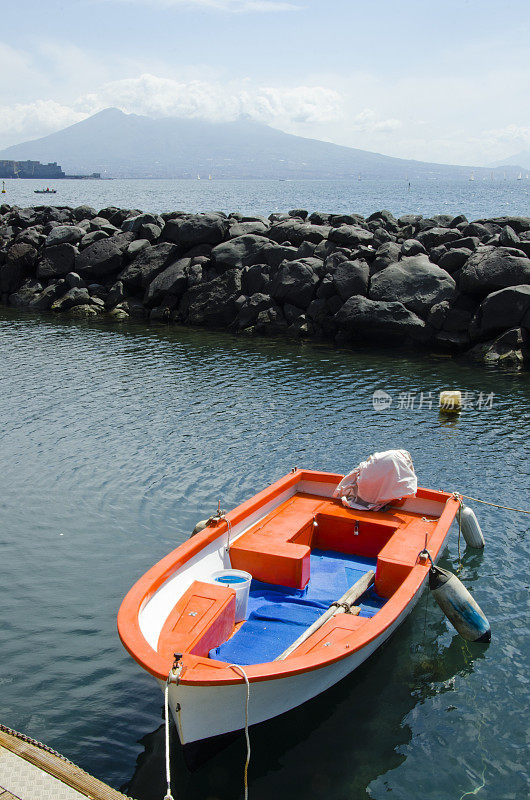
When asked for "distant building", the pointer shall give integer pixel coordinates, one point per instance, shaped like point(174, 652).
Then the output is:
point(30, 169)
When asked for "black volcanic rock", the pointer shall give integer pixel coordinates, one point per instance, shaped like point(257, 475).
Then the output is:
point(58, 261)
point(103, 257)
point(239, 252)
point(491, 268)
point(295, 282)
point(415, 282)
point(196, 229)
point(147, 264)
point(379, 319)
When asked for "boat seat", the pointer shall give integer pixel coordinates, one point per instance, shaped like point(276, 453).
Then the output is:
point(277, 549)
point(399, 555)
point(204, 617)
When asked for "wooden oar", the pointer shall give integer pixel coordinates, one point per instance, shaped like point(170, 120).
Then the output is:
point(346, 603)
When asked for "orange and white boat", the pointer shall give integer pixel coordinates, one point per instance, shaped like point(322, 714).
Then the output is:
point(304, 550)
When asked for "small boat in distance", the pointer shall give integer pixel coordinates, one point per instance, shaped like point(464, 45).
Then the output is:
point(45, 191)
point(472, 176)
point(329, 583)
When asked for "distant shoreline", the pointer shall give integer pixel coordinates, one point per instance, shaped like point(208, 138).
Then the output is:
point(442, 283)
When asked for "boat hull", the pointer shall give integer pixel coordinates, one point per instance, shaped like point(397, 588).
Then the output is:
point(212, 711)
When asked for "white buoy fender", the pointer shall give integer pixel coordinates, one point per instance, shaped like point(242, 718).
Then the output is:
point(458, 606)
point(470, 528)
point(200, 526)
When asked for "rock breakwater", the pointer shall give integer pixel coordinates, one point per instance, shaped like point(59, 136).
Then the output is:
point(444, 282)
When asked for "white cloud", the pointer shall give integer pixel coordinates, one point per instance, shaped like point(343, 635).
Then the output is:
point(24, 121)
point(232, 6)
point(155, 96)
point(367, 121)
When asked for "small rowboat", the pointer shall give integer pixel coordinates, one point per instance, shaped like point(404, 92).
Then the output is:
point(45, 191)
point(330, 584)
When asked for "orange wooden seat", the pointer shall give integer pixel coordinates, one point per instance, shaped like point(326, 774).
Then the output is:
point(203, 618)
point(277, 549)
point(399, 555)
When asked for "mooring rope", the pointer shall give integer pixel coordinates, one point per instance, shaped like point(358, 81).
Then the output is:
point(495, 505)
point(242, 672)
point(168, 795)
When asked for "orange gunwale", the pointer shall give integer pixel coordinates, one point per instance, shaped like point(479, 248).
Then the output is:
point(200, 671)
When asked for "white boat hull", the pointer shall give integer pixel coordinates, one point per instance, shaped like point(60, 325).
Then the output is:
point(208, 711)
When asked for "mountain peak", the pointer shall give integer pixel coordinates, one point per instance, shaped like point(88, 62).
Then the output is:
point(117, 144)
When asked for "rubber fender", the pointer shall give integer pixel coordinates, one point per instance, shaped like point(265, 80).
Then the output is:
point(471, 529)
point(462, 611)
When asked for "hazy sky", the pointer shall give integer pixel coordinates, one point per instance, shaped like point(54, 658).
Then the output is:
point(439, 81)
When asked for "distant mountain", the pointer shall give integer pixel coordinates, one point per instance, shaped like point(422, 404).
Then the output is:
point(132, 146)
point(521, 159)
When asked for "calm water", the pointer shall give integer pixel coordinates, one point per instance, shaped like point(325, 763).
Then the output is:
point(475, 198)
point(115, 440)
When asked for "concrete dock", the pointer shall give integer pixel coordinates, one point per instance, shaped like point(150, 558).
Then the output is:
point(31, 771)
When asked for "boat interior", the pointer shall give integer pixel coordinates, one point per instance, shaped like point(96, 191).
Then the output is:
point(303, 555)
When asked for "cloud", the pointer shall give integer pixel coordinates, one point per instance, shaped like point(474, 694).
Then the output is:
point(24, 121)
point(232, 6)
point(367, 121)
point(155, 96)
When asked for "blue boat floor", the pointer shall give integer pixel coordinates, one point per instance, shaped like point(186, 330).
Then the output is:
point(277, 615)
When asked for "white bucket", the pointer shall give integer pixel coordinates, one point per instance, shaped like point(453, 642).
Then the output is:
point(240, 581)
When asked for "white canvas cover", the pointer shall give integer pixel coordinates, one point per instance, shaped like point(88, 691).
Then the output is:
point(378, 480)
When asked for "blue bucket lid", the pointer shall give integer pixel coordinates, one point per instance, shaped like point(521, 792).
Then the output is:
point(231, 579)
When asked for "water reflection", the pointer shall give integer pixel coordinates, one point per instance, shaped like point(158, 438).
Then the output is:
point(335, 745)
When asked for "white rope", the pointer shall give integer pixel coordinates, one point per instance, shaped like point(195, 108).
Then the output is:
point(495, 505)
point(168, 795)
point(242, 672)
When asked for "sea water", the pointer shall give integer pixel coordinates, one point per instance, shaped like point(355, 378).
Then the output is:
point(116, 440)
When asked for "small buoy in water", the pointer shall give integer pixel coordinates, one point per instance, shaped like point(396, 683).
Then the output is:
point(200, 526)
point(451, 401)
point(470, 528)
point(458, 606)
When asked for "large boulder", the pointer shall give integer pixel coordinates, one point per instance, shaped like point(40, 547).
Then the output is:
point(73, 297)
point(138, 220)
point(295, 282)
point(65, 234)
point(256, 279)
point(242, 228)
point(351, 277)
point(27, 292)
point(415, 282)
point(84, 212)
point(240, 252)
point(511, 349)
point(252, 307)
point(274, 254)
point(374, 319)
point(518, 224)
point(491, 268)
point(20, 262)
point(147, 264)
point(196, 229)
point(454, 259)
point(350, 236)
point(296, 232)
point(433, 237)
point(58, 260)
point(104, 257)
point(173, 280)
point(44, 300)
point(412, 247)
point(388, 253)
point(213, 303)
point(504, 309)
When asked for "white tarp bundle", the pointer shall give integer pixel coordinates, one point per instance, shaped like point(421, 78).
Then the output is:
point(378, 480)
